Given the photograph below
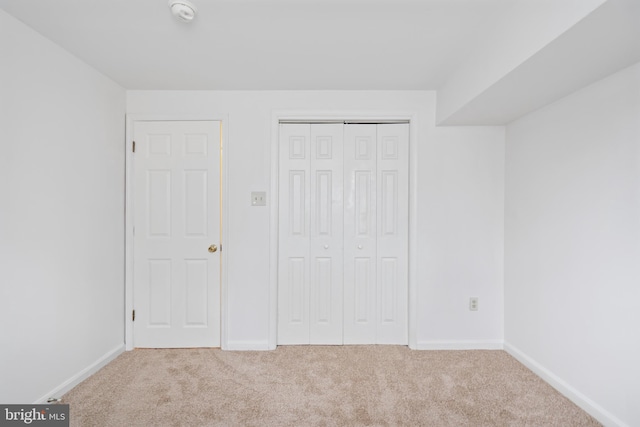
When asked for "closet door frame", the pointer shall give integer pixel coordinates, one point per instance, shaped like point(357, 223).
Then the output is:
point(335, 117)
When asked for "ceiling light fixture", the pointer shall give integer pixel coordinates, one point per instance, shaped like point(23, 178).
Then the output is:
point(184, 10)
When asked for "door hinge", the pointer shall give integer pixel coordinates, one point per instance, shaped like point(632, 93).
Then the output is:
point(134, 146)
point(133, 316)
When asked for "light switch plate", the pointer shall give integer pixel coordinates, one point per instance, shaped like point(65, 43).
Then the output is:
point(258, 198)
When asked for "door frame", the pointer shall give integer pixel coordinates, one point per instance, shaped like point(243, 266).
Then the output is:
point(344, 116)
point(129, 186)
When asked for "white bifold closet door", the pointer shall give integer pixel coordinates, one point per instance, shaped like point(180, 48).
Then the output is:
point(310, 235)
point(376, 232)
point(343, 234)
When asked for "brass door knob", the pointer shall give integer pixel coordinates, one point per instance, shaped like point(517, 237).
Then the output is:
point(213, 248)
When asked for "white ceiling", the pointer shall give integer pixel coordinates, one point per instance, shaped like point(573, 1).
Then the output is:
point(268, 44)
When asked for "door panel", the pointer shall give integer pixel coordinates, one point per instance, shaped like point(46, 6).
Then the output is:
point(393, 234)
point(195, 203)
point(159, 203)
point(297, 291)
point(176, 219)
point(325, 244)
point(293, 239)
point(360, 234)
point(159, 292)
point(196, 291)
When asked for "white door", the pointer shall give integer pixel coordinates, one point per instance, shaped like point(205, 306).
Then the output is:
point(343, 256)
point(376, 234)
point(360, 245)
point(293, 242)
point(176, 234)
point(310, 234)
point(325, 249)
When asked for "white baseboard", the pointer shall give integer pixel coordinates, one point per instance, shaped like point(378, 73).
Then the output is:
point(460, 345)
point(82, 375)
point(588, 405)
point(247, 346)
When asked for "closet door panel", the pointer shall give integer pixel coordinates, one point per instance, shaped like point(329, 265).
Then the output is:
point(360, 230)
point(293, 225)
point(325, 246)
point(392, 233)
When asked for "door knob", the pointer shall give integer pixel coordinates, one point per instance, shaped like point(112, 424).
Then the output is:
point(213, 248)
point(359, 246)
point(326, 246)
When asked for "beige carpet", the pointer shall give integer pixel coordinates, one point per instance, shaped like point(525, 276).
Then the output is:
point(319, 386)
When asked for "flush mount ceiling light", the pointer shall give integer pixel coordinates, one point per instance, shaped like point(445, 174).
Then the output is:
point(183, 10)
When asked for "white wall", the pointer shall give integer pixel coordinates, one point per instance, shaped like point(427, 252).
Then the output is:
point(524, 30)
point(462, 229)
point(572, 244)
point(601, 43)
point(61, 216)
point(470, 185)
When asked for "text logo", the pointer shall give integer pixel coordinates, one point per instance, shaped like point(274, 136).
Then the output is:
point(34, 415)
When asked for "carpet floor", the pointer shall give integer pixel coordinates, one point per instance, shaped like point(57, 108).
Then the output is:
point(319, 386)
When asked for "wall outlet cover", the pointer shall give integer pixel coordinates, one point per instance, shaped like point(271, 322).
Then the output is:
point(258, 198)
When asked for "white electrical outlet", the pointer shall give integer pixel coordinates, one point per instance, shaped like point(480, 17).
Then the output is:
point(258, 198)
point(473, 304)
